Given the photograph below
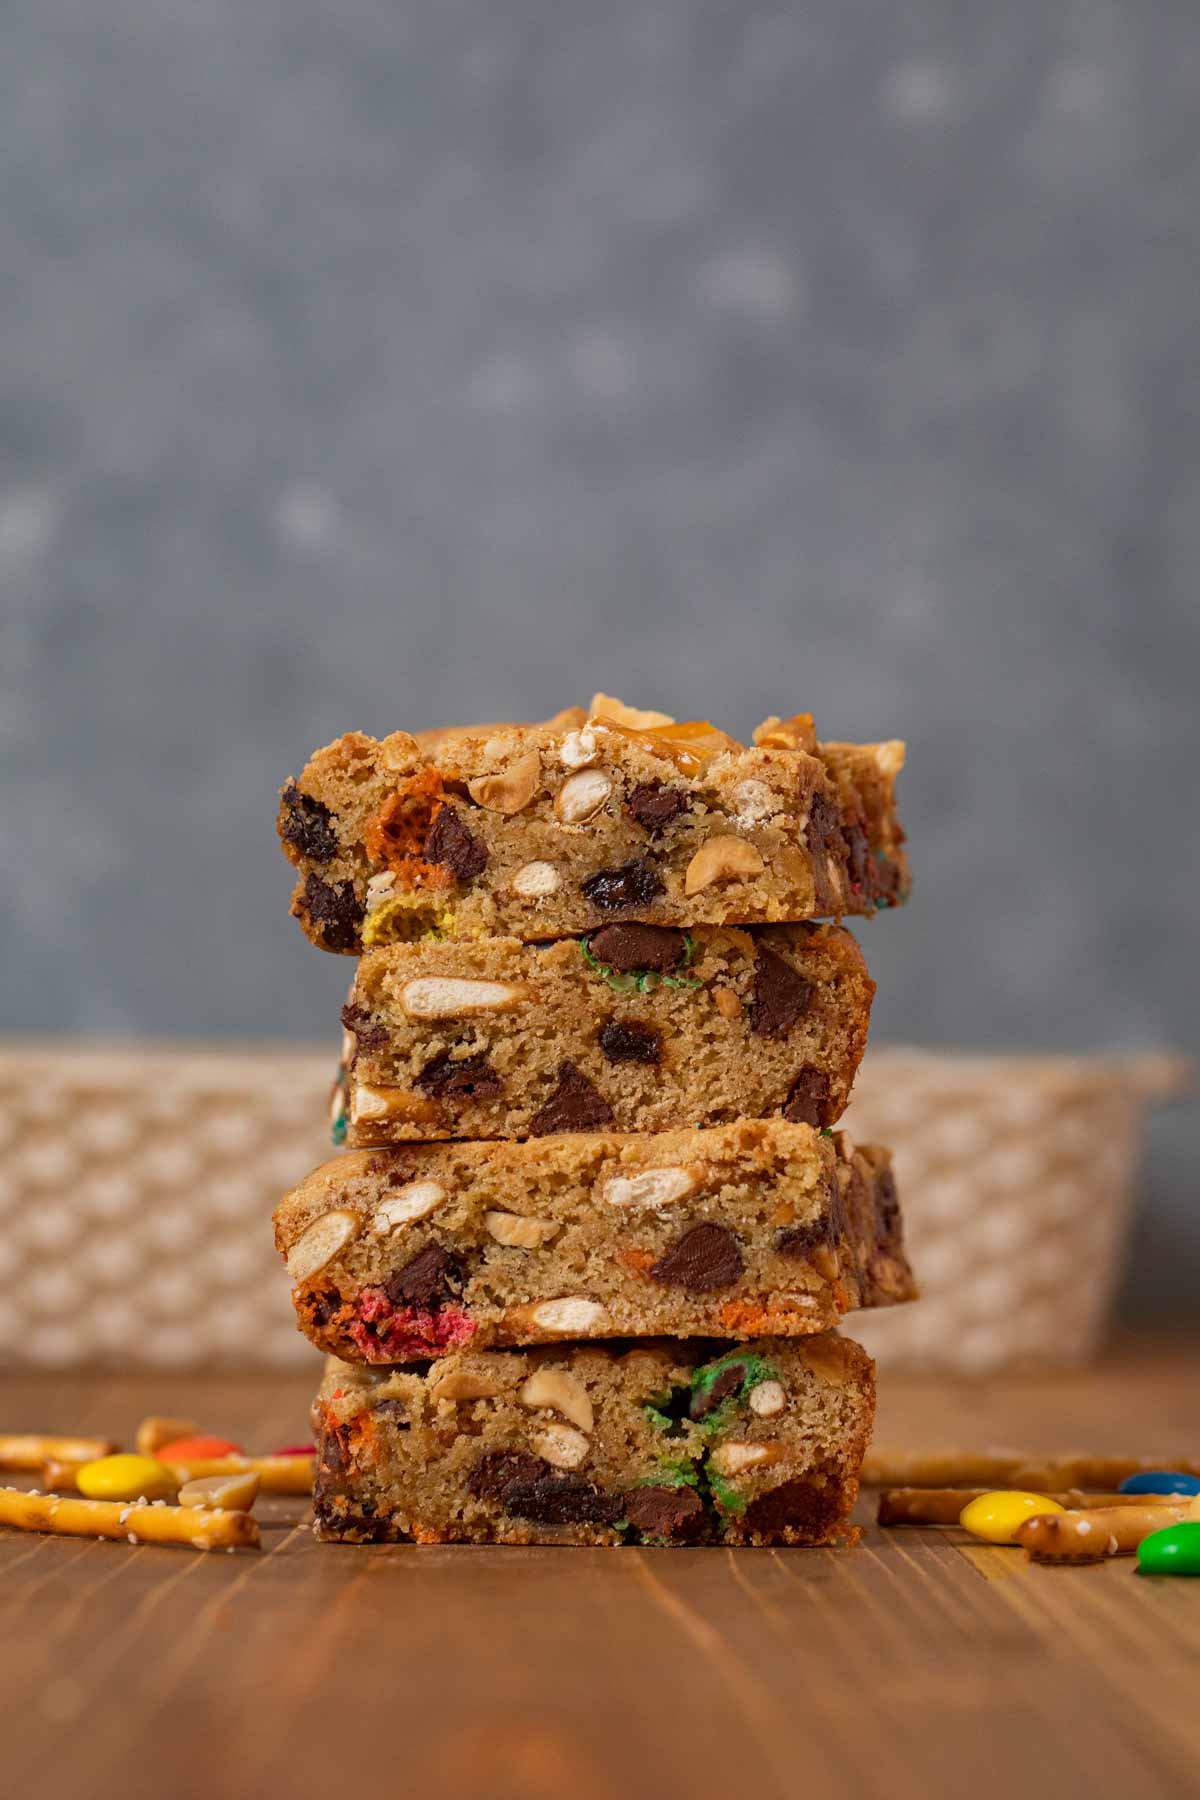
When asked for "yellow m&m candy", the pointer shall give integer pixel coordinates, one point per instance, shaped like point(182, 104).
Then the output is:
point(995, 1517)
point(126, 1477)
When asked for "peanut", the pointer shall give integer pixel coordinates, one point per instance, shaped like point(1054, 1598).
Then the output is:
point(721, 859)
point(581, 795)
point(509, 790)
point(562, 1392)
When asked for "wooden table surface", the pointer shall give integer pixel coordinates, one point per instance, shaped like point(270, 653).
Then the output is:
point(917, 1664)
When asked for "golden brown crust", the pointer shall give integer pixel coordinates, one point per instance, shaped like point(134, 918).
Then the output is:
point(674, 824)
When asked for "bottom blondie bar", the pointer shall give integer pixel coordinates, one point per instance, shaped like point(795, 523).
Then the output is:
point(661, 1443)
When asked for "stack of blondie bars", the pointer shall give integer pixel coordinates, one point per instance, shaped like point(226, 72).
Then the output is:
point(579, 1275)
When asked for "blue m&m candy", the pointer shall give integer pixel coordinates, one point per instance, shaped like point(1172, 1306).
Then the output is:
point(1160, 1481)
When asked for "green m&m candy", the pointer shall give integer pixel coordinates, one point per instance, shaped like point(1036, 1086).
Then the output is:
point(1175, 1550)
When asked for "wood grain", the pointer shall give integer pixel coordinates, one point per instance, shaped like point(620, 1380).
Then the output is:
point(918, 1664)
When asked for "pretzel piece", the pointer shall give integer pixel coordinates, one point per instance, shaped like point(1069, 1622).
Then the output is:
point(276, 1474)
point(942, 1506)
point(156, 1431)
point(991, 1469)
point(193, 1527)
point(29, 1450)
point(1090, 1536)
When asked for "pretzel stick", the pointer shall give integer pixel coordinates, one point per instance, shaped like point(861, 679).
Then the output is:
point(1091, 1536)
point(30, 1450)
point(277, 1474)
point(195, 1527)
point(942, 1506)
point(991, 1469)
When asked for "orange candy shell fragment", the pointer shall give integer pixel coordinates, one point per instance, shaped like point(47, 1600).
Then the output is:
point(198, 1449)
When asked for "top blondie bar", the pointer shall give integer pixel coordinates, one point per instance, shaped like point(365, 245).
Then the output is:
point(551, 830)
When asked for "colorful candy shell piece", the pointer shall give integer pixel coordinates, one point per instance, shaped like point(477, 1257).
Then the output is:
point(198, 1449)
point(1173, 1551)
point(296, 1450)
point(995, 1517)
point(126, 1477)
point(1160, 1481)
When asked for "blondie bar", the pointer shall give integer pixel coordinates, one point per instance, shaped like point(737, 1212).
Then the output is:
point(636, 1027)
point(544, 831)
point(677, 1443)
point(413, 1251)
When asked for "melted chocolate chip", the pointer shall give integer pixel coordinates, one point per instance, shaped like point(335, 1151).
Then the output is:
point(335, 910)
point(575, 1105)
point(780, 995)
point(627, 1041)
point(808, 1097)
point(654, 805)
point(306, 823)
point(470, 1075)
point(809, 1507)
point(493, 1472)
point(424, 1279)
point(707, 1399)
point(450, 842)
point(552, 1499)
point(626, 947)
point(661, 1511)
point(707, 1256)
point(634, 883)
point(368, 1032)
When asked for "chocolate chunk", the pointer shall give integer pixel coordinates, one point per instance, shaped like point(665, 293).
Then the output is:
point(333, 1454)
point(887, 1203)
point(799, 1241)
point(552, 1499)
point(807, 1507)
point(324, 1306)
point(493, 1472)
point(575, 1105)
point(450, 842)
point(862, 863)
point(661, 1511)
point(780, 995)
point(707, 1399)
point(336, 1519)
point(635, 883)
point(424, 1279)
point(306, 823)
point(368, 1032)
point(707, 1256)
point(471, 1075)
point(337, 911)
point(630, 1042)
point(654, 805)
point(808, 1097)
point(825, 826)
point(626, 947)
point(394, 1410)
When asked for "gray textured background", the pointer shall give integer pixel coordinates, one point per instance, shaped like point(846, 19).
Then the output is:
point(383, 363)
